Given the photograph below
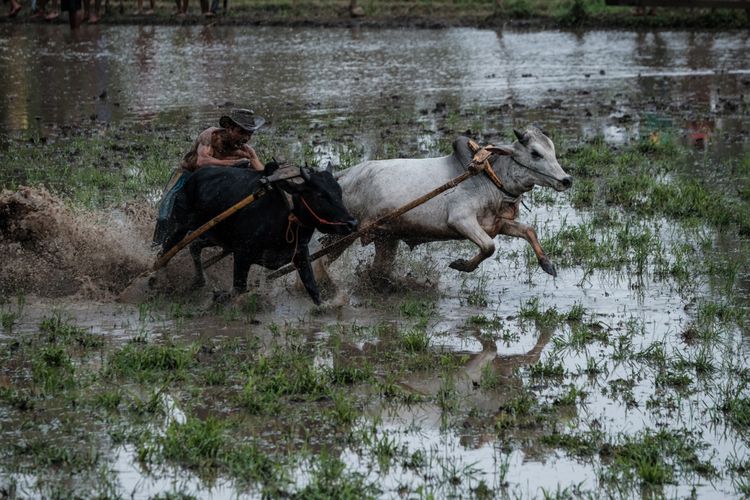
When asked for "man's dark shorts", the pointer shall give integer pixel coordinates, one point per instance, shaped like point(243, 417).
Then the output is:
point(70, 5)
point(164, 222)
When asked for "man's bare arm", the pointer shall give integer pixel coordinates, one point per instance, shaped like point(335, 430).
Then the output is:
point(206, 157)
point(249, 153)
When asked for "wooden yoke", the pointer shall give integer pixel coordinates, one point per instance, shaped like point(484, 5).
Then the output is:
point(481, 157)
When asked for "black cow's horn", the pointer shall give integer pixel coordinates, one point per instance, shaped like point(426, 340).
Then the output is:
point(304, 173)
point(329, 168)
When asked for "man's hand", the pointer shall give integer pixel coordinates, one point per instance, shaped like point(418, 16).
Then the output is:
point(244, 163)
point(248, 152)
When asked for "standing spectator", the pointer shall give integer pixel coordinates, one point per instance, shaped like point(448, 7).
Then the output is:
point(182, 8)
point(75, 14)
point(215, 7)
point(205, 10)
point(150, 10)
point(54, 13)
point(88, 16)
point(15, 8)
point(355, 10)
point(35, 10)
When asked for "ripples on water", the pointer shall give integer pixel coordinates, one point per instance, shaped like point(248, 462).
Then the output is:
point(186, 72)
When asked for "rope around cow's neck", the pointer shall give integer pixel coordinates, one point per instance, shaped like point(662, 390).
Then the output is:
point(318, 218)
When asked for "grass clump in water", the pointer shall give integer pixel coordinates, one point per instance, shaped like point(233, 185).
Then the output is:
point(330, 479)
point(285, 372)
point(656, 458)
point(59, 331)
point(53, 370)
point(150, 362)
point(195, 443)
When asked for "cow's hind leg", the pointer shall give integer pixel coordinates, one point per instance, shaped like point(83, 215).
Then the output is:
point(385, 254)
point(320, 266)
point(382, 265)
point(518, 230)
point(199, 279)
point(470, 228)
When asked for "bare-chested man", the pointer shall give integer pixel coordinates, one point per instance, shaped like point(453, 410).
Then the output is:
point(226, 146)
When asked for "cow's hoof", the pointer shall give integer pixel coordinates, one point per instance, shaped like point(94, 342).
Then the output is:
point(197, 283)
point(461, 265)
point(382, 282)
point(548, 267)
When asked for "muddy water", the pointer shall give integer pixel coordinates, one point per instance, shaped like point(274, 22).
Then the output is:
point(587, 83)
point(617, 84)
point(611, 297)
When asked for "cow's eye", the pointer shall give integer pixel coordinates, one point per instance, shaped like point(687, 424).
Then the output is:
point(535, 155)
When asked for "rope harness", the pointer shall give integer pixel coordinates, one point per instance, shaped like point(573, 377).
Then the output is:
point(291, 234)
point(318, 218)
point(482, 156)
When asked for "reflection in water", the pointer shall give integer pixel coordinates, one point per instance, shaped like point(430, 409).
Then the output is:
point(485, 363)
point(292, 71)
point(483, 383)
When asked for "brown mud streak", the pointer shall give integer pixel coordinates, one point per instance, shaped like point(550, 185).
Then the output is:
point(51, 251)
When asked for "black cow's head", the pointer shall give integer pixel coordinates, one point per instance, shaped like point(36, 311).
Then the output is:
point(318, 203)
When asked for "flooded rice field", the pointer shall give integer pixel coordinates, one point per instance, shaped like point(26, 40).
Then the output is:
point(624, 376)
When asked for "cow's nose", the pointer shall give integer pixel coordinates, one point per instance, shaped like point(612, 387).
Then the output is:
point(352, 224)
point(567, 182)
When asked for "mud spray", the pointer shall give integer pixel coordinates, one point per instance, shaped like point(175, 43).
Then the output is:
point(51, 250)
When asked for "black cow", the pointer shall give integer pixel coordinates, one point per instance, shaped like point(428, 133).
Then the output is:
point(266, 232)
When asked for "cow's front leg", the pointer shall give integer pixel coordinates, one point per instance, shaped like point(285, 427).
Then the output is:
point(242, 261)
point(518, 230)
point(470, 228)
point(301, 262)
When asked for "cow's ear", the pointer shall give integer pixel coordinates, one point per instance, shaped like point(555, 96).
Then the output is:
point(522, 137)
point(305, 173)
point(501, 150)
point(329, 168)
point(270, 167)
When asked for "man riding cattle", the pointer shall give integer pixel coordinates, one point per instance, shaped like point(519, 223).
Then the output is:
point(224, 146)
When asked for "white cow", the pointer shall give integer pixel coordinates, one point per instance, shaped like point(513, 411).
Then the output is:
point(476, 209)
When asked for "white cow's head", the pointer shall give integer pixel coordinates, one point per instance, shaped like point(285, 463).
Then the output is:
point(534, 155)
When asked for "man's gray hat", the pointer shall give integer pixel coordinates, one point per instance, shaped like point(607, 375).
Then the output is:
point(245, 119)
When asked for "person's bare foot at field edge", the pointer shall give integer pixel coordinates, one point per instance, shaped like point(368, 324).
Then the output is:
point(15, 8)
